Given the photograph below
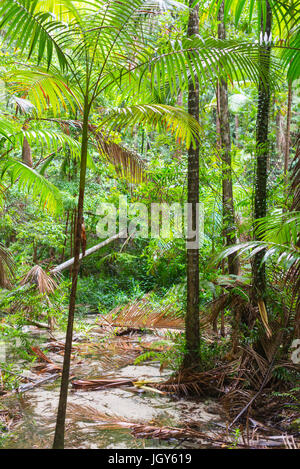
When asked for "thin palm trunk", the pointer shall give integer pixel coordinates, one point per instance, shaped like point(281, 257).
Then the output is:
point(287, 135)
point(26, 153)
point(229, 229)
point(62, 405)
point(192, 327)
point(262, 151)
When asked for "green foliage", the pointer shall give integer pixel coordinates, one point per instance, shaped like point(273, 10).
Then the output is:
point(131, 73)
point(171, 357)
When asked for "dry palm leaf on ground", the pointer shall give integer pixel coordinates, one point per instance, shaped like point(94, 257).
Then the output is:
point(107, 383)
point(188, 432)
point(190, 382)
point(47, 365)
point(101, 383)
point(143, 313)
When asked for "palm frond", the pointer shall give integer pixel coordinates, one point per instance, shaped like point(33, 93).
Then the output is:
point(32, 182)
point(176, 120)
point(43, 281)
point(32, 30)
point(279, 227)
point(53, 140)
point(145, 313)
point(284, 12)
point(291, 54)
point(44, 89)
point(49, 139)
point(128, 163)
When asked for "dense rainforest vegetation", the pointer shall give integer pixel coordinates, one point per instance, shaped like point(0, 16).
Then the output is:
point(148, 104)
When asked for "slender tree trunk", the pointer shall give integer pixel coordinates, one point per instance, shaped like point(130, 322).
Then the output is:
point(262, 151)
point(26, 153)
point(62, 406)
point(280, 138)
point(192, 327)
point(237, 129)
point(66, 237)
point(218, 113)
point(229, 228)
point(287, 135)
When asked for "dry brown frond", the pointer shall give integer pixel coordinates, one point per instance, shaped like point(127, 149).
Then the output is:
point(101, 383)
point(41, 279)
point(47, 365)
point(144, 314)
point(127, 162)
point(189, 382)
point(150, 431)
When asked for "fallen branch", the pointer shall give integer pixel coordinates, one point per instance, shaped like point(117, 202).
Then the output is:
point(38, 324)
point(29, 386)
point(70, 262)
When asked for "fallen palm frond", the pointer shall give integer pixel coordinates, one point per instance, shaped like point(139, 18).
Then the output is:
point(138, 430)
point(108, 383)
point(101, 383)
point(47, 365)
point(41, 279)
point(47, 368)
point(248, 393)
point(8, 418)
point(144, 313)
point(189, 382)
point(58, 346)
point(187, 432)
point(37, 351)
point(29, 386)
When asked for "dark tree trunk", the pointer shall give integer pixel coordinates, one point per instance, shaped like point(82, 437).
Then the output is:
point(229, 228)
point(262, 151)
point(62, 406)
point(192, 327)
